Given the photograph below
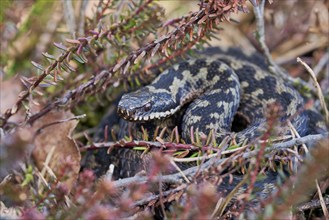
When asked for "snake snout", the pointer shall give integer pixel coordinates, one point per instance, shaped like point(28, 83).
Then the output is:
point(128, 114)
point(136, 106)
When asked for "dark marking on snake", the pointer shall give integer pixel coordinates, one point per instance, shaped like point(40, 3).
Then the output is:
point(215, 88)
point(227, 91)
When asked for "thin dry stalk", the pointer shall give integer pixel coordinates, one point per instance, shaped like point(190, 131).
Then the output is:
point(176, 178)
point(179, 170)
point(322, 202)
point(260, 33)
point(296, 134)
point(318, 88)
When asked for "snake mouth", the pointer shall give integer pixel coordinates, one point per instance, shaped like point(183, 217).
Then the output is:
point(127, 115)
point(132, 116)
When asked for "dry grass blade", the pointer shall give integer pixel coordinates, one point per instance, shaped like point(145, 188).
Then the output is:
point(179, 170)
point(296, 134)
point(229, 198)
point(322, 202)
point(194, 159)
point(318, 88)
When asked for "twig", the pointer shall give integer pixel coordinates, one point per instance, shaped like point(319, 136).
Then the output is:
point(179, 170)
point(161, 199)
point(217, 208)
point(312, 204)
point(103, 8)
point(322, 202)
point(296, 134)
point(294, 190)
point(205, 19)
point(177, 146)
point(176, 178)
point(6, 180)
point(260, 36)
point(318, 88)
point(194, 159)
point(260, 32)
point(156, 197)
point(156, 144)
point(52, 68)
point(302, 140)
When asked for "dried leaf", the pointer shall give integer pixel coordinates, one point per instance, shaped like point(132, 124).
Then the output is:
point(65, 161)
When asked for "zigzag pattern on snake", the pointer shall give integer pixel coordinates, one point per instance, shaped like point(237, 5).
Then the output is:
point(216, 88)
point(208, 91)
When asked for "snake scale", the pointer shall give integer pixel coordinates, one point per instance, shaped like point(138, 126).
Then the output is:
point(208, 93)
point(215, 88)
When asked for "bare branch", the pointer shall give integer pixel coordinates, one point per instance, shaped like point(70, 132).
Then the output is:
point(177, 177)
point(260, 36)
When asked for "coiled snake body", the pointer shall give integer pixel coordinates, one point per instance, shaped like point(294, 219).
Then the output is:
point(216, 88)
point(212, 89)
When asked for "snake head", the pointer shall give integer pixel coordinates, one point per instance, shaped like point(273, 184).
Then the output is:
point(143, 105)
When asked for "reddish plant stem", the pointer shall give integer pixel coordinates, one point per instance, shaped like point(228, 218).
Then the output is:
point(100, 14)
point(260, 155)
point(58, 61)
point(132, 144)
point(105, 79)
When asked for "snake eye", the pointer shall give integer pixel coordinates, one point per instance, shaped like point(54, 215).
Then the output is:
point(147, 107)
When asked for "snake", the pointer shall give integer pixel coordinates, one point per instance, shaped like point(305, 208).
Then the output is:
point(213, 89)
point(213, 92)
point(210, 92)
